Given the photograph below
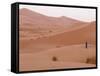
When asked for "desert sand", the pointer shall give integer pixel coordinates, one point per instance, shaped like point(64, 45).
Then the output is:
point(75, 56)
point(55, 42)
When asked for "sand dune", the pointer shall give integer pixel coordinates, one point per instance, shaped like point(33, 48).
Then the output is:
point(76, 36)
point(34, 19)
point(55, 42)
point(34, 25)
point(74, 56)
point(80, 35)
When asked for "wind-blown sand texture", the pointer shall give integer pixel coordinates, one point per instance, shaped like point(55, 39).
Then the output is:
point(55, 42)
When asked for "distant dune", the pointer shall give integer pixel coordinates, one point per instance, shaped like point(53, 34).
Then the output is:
point(34, 19)
point(35, 25)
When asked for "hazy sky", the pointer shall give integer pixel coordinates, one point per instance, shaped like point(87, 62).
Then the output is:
point(82, 14)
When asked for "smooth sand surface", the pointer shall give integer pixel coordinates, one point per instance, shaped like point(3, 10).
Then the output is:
point(74, 56)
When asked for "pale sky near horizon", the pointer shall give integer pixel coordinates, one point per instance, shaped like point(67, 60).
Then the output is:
point(81, 14)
